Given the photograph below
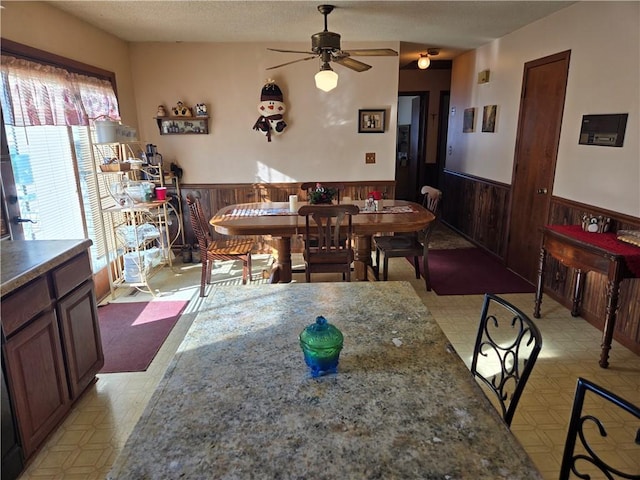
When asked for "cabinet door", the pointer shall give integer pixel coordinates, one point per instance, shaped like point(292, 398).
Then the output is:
point(78, 314)
point(37, 381)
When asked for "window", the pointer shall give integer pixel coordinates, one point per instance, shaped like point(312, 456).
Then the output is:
point(47, 113)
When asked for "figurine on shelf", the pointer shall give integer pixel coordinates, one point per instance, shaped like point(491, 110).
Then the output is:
point(162, 112)
point(181, 110)
point(201, 110)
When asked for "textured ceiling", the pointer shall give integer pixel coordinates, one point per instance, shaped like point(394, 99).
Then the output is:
point(452, 26)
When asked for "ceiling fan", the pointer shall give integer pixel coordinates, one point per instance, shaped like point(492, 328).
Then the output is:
point(326, 46)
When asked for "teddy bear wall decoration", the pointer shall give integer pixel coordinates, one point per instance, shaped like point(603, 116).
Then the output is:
point(271, 109)
point(181, 110)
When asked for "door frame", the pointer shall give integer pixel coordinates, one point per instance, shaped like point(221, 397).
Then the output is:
point(424, 106)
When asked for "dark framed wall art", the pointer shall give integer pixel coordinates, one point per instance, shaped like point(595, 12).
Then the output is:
point(371, 121)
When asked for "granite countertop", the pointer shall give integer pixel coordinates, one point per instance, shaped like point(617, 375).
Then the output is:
point(25, 260)
point(238, 402)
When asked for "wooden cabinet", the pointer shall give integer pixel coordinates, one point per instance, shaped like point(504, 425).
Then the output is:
point(78, 319)
point(52, 348)
point(37, 380)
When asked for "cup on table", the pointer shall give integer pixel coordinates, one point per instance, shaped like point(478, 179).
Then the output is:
point(161, 193)
point(293, 203)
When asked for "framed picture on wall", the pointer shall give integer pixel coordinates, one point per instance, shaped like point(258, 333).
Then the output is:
point(489, 118)
point(371, 121)
point(468, 121)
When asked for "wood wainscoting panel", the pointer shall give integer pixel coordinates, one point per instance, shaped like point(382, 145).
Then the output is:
point(477, 208)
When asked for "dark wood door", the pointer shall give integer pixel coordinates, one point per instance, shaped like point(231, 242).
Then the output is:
point(540, 119)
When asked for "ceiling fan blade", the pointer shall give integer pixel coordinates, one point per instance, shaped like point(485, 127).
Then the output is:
point(294, 61)
point(372, 52)
point(288, 51)
point(352, 64)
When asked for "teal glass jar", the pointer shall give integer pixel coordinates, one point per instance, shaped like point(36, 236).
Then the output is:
point(321, 344)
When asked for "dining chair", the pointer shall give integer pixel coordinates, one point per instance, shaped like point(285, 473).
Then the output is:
point(327, 239)
point(307, 187)
point(211, 250)
point(506, 348)
point(415, 244)
point(592, 432)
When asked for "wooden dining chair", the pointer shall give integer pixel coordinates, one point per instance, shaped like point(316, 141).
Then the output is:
point(211, 250)
point(307, 187)
point(507, 346)
point(610, 421)
point(327, 239)
point(415, 244)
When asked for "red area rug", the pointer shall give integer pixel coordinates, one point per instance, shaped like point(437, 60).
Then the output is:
point(471, 271)
point(133, 332)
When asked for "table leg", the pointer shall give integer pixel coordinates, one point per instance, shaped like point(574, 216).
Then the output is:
point(613, 290)
point(541, 265)
point(282, 254)
point(577, 293)
point(362, 261)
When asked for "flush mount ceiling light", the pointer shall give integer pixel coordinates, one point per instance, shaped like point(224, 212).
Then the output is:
point(425, 58)
point(326, 78)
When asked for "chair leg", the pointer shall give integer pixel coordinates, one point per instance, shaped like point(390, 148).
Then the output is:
point(425, 267)
point(203, 275)
point(385, 268)
point(245, 268)
point(249, 266)
point(307, 274)
point(416, 265)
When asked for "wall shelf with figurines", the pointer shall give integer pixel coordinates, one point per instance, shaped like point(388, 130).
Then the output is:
point(180, 120)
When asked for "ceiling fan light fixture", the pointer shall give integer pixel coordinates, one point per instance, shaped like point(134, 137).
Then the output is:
point(326, 78)
point(424, 61)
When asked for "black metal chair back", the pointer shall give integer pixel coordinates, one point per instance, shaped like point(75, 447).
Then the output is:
point(590, 439)
point(506, 349)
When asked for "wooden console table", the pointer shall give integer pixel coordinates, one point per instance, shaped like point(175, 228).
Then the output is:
point(589, 252)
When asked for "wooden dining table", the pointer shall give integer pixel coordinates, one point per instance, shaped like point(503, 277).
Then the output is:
point(238, 401)
point(275, 219)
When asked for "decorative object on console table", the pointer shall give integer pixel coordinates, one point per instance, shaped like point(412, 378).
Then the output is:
point(371, 121)
point(595, 223)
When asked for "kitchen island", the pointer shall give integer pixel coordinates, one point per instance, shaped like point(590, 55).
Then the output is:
point(238, 401)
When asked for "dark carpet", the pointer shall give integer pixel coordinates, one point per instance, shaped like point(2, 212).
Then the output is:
point(471, 271)
point(133, 332)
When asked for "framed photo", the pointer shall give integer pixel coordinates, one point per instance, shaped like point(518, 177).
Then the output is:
point(371, 121)
point(489, 118)
point(468, 120)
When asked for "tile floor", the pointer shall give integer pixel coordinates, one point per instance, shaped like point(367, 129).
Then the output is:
point(88, 441)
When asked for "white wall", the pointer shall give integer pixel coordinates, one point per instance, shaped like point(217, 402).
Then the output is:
point(321, 141)
point(604, 77)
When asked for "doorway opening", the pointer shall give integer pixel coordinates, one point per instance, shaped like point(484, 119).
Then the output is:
point(410, 146)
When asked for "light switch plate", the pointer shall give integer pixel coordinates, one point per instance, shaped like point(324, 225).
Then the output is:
point(370, 157)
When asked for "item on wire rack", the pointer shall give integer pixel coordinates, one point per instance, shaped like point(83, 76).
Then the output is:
point(134, 237)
